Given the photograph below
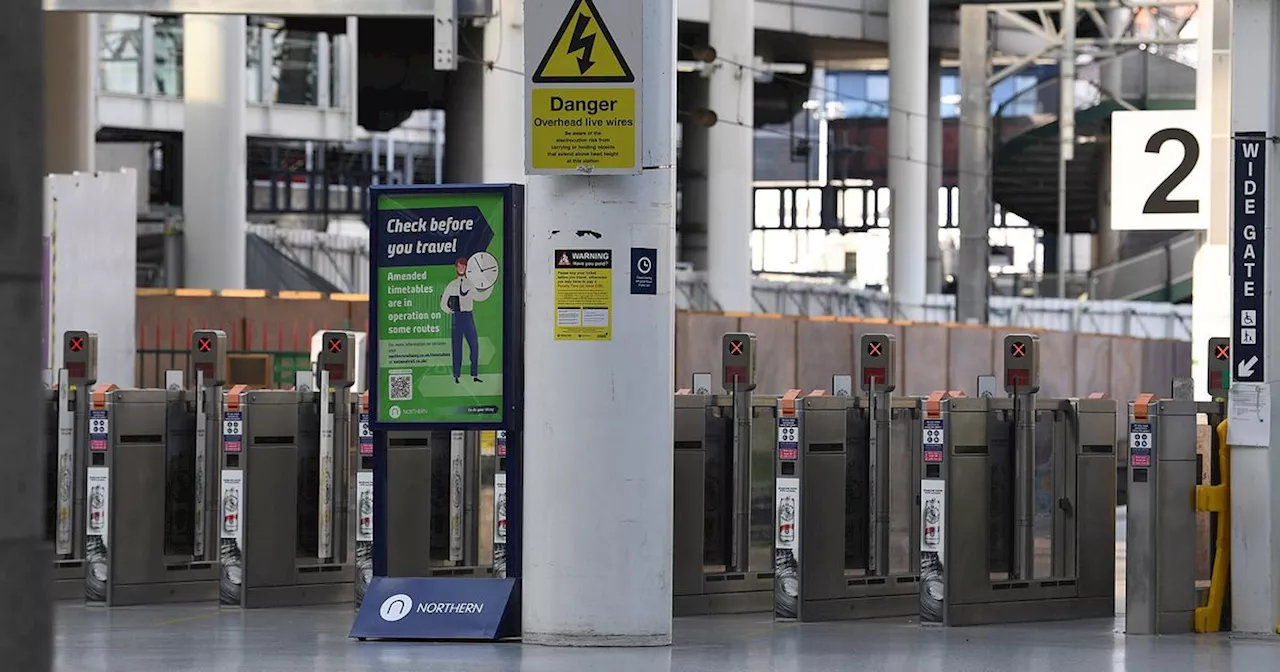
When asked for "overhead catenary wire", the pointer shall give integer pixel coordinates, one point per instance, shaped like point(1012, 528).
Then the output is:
point(720, 119)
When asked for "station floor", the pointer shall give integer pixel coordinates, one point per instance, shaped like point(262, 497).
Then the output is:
point(200, 638)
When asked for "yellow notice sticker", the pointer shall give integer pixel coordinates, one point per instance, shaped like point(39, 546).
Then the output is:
point(575, 128)
point(584, 295)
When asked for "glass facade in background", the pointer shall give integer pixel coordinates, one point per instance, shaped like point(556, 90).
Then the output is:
point(120, 53)
point(281, 66)
point(866, 94)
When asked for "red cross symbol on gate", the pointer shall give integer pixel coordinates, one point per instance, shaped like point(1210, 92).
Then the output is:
point(335, 345)
point(1223, 352)
point(1018, 349)
point(204, 345)
point(735, 347)
point(873, 348)
point(77, 344)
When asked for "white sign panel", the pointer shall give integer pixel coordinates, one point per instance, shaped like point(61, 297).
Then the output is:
point(933, 515)
point(1159, 170)
point(787, 510)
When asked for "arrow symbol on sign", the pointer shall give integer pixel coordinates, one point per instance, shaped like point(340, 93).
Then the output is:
point(1245, 368)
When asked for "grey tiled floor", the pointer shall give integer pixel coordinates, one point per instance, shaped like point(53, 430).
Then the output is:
point(204, 639)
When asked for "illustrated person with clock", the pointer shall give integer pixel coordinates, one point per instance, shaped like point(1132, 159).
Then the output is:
point(476, 279)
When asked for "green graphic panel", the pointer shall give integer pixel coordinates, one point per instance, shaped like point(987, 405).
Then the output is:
point(440, 311)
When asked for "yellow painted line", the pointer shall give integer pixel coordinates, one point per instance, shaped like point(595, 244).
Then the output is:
point(189, 619)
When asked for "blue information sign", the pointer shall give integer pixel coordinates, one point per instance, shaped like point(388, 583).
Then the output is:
point(1248, 275)
point(438, 608)
point(644, 270)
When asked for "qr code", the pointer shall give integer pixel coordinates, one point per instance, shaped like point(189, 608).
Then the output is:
point(401, 388)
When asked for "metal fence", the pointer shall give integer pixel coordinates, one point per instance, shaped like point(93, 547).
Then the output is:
point(274, 351)
point(1138, 319)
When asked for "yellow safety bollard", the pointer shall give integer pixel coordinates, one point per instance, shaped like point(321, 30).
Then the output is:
point(1216, 498)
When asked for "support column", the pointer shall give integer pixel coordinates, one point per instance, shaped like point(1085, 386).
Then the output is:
point(731, 155)
point(597, 542)
point(933, 247)
point(1255, 469)
point(973, 275)
point(1211, 269)
point(69, 101)
point(694, 155)
point(484, 107)
point(214, 177)
point(908, 152)
point(1107, 249)
point(26, 610)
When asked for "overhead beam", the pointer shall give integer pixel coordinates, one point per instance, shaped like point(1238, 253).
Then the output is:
point(468, 9)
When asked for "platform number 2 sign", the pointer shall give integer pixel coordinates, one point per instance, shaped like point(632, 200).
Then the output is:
point(1159, 180)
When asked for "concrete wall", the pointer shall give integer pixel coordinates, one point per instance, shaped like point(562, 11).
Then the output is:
point(794, 352)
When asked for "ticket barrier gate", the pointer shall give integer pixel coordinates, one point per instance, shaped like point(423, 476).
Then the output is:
point(723, 508)
point(452, 523)
point(1161, 593)
point(1017, 503)
point(156, 475)
point(285, 457)
point(67, 442)
point(847, 535)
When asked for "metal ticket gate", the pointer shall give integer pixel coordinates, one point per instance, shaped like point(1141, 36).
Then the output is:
point(847, 517)
point(452, 522)
point(1161, 596)
point(284, 485)
point(68, 457)
point(161, 536)
point(723, 507)
point(1017, 503)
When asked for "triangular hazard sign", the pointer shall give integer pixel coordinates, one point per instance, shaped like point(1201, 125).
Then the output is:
point(564, 260)
point(583, 51)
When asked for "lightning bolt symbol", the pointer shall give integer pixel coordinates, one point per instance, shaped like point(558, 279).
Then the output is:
point(582, 43)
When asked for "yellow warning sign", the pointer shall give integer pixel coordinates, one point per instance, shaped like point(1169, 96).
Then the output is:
point(584, 295)
point(583, 51)
point(573, 128)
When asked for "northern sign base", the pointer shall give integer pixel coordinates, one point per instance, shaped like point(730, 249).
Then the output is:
point(419, 608)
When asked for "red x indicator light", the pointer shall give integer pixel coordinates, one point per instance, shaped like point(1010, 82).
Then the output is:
point(735, 347)
point(1223, 352)
point(1018, 349)
point(77, 344)
point(204, 345)
point(873, 348)
point(335, 345)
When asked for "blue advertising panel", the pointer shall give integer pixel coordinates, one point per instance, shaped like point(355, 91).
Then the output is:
point(438, 608)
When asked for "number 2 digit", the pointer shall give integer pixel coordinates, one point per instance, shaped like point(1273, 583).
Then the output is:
point(1158, 202)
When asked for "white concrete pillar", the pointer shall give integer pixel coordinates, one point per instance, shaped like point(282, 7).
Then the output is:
point(908, 152)
point(731, 155)
point(1255, 469)
point(484, 108)
point(69, 100)
point(973, 279)
point(213, 152)
point(1211, 269)
point(933, 212)
point(598, 479)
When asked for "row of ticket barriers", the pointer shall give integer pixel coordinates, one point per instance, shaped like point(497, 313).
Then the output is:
point(829, 505)
point(250, 497)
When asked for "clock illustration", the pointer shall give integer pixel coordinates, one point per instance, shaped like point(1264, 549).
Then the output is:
point(482, 270)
